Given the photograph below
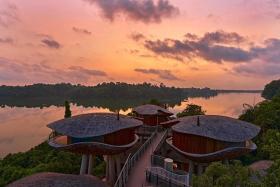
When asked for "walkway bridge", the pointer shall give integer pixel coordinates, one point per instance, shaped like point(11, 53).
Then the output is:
point(138, 168)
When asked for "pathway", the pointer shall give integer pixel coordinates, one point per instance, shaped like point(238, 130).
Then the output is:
point(137, 176)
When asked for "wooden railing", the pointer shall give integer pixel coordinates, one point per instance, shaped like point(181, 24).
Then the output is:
point(162, 177)
point(130, 162)
point(162, 141)
point(123, 176)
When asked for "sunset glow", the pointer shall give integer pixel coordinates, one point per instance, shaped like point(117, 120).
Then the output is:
point(213, 43)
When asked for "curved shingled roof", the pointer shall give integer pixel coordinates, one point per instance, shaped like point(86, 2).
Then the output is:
point(149, 109)
point(216, 127)
point(48, 179)
point(93, 124)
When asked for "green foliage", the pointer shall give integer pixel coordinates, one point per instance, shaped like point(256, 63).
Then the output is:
point(41, 158)
point(100, 169)
point(248, 113)
point(272, 89)
point(68, 112)
point(273, 176)
point(191, 110)
point(221, 175)
point(266, 114)
point(271, 144)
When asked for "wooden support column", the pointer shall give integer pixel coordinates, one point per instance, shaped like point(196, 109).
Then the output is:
point(84, 164)
point(199, 169)
point(118, 164)
point(191, 168)
point(90, 164)
point(112, 169)
point(107, 168)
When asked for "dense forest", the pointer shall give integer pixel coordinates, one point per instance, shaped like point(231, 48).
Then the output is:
point(113, 96)
point(104, 91)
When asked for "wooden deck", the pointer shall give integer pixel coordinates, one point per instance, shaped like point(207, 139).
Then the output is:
point(137, 177)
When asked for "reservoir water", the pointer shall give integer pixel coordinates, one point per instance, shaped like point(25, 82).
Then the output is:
point(22, 128)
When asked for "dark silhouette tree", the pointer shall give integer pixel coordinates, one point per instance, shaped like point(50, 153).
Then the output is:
point(271, 89)
point(191, 110)
point(68, 112)
point(155, 102)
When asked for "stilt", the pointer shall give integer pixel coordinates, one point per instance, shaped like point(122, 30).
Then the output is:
point(118, 164)
point(107, 168)
point(84, 163)
point(199, 169)
point(90, 164)
point(190, 171)
point(111, 168)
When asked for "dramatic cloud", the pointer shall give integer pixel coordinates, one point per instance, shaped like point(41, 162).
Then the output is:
point(81, 31)
point(15, 71)
point(269, 53)
point(6, 40)
point(222, 37)
point(259, 69)
point(139, 10)
point(163, 74)
point(137, 36)
point(51, 43)
point(8, 15)
point(215, 47)
point(88, 72)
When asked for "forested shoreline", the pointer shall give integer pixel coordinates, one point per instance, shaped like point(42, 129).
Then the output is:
point(113, 96)
point(103, 90)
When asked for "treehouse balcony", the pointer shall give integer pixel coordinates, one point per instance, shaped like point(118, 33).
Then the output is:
point(88, 145)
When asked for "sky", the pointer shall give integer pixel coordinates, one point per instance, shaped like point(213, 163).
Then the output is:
point(191, 43)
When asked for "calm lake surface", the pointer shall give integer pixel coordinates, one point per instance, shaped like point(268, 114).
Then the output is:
point(22, 128)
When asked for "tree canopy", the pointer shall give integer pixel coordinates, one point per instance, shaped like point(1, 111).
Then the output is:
point(272, 89)
point(265, 114)
point(221, 175)
point(191, 110)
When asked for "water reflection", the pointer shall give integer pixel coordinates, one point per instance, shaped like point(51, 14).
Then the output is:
point(230, 104)
point(22, 128)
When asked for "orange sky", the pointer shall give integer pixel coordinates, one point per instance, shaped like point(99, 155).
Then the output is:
point(82, 41)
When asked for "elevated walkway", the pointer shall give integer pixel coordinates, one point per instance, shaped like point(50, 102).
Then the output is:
point(137, 176)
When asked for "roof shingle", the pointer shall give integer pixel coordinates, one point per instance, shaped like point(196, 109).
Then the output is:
point(216, 127)
point(93, 124)
point(149, 109)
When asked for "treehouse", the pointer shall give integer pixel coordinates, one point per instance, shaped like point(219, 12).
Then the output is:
point(152, 115)
point(96, 134)
point(207, 138)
